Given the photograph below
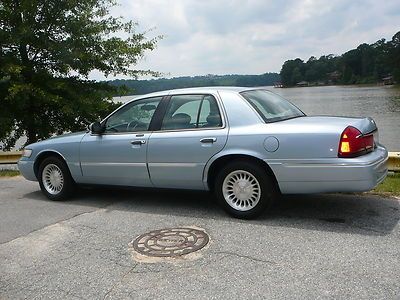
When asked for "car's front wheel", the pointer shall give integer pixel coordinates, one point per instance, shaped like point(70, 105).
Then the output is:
point(55, 179)
point(244, 189)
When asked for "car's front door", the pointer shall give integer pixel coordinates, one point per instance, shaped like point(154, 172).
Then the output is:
point(191, 132)
point(118, 156)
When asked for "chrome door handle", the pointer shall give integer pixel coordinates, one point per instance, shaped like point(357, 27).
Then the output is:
point(208, 140)
point(138, 142)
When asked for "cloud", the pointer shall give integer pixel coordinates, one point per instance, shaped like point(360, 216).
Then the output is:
point(254, 36)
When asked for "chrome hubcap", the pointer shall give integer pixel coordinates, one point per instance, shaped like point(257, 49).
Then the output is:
point(53, 179)
point(241, 190)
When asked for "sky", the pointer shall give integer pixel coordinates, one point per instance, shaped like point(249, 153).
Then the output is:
point(255, 36)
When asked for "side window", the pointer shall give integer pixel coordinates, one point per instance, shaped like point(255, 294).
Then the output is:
point(135, 116)
point(182, 112)
point(209, 113)
point(191, 111)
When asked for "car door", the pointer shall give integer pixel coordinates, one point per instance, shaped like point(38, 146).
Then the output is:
point(192, 130)
point(118, 156)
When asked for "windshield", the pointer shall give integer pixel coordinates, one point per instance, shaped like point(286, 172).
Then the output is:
point(271, 107)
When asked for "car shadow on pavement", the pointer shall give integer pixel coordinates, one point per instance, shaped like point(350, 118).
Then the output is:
point(364, 214)
point(78, 200)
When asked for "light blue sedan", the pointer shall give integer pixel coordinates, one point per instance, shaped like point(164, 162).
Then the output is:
point(245, 145)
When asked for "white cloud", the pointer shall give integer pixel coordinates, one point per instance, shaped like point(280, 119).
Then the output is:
point(254, 36)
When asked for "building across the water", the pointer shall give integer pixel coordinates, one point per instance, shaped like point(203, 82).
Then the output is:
point(302, 83)
point(388, 80)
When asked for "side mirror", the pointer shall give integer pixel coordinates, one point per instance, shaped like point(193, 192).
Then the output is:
point(96, 128)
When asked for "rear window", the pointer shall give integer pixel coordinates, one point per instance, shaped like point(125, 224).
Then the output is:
point(271, 107)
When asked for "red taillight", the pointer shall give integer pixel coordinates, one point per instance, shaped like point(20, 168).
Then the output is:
point(353, 143)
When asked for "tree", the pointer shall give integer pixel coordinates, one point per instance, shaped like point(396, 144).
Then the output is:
point(394, 56)
point(48, 48)
point(296, 76)
point(291, 72)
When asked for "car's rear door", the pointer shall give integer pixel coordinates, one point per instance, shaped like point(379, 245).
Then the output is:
point(118, 156)
point(192, 130)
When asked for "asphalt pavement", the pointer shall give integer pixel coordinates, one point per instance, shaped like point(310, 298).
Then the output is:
point(333, 246)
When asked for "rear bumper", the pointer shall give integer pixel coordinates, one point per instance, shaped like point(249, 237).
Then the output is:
point(331, 175)
point(26, 168)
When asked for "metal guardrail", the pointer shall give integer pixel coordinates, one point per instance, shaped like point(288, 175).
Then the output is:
point(12, 157)
point(394, 161)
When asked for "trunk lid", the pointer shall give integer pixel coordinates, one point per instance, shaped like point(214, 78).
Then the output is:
point(365, 124)
point(316, 136)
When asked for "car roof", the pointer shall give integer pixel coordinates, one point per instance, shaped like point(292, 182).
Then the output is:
point(207, 89)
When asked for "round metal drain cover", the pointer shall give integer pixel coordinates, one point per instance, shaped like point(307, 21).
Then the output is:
point(170, 242)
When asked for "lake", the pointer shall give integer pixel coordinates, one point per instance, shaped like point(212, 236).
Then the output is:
point(382, 103)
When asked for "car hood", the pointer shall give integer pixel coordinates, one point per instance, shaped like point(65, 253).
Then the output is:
point(64, 138)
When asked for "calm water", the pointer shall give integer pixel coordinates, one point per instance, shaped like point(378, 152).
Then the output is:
point(382, 103)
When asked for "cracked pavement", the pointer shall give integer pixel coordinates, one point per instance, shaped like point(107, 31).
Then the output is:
point(306, 247)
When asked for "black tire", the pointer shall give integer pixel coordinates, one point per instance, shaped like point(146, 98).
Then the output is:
point(68, 186)
point(268, 191)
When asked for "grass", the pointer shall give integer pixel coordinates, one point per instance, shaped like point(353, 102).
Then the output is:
point(390, 186)
point(9, 173)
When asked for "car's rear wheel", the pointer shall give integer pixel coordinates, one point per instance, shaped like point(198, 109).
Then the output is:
point(244, 189)
point(55, 179)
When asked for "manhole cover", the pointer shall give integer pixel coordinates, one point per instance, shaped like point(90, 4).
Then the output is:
point(170, 242)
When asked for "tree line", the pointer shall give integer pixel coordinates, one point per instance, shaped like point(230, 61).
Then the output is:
point(138, 87)
point(368, 63)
